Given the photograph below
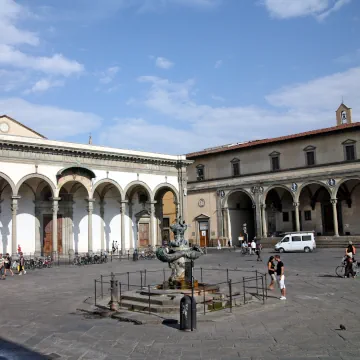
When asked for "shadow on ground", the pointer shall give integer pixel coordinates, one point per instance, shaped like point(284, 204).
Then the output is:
point(12, 351)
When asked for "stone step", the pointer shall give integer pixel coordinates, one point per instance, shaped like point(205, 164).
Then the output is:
point(155, 300)
point(141, 306)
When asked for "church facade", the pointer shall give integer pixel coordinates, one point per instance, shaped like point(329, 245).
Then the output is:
point(71, 198)
point(301, 182)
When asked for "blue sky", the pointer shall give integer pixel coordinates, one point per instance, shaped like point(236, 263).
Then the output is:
point(176, 76)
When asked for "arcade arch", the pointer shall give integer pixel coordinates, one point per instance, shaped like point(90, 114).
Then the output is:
point(241, 216)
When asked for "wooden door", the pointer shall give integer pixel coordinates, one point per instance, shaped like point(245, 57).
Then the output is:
point(204, 234)
point(47, 234)
point(143, 234)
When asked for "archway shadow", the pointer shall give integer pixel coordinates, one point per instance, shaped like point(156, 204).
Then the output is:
point(172, 323)
point(328, 276)
point(13, 351)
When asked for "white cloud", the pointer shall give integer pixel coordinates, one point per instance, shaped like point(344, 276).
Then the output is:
point(349, 58)
point(13, 38)
point(52, 121)
point(284, 9)
point(44, 85)
point(218, 64)
point(56, 64)
point(12, 80)
point(107, 76)
point(10, 14)
point(217, 98)
point(163, 63)
point(295, 108)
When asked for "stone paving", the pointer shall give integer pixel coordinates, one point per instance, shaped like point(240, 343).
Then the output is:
point(38, 318)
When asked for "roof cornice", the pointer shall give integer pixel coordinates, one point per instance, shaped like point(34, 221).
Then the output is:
point(23, 145)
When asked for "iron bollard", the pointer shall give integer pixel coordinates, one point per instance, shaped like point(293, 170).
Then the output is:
point(128, 254)
point(135, 255)
point(187, 313)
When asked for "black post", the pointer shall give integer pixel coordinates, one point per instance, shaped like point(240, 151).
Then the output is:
point(102, 290)
point(164, 275)
point(201, 275)
point(204, 299)
point(263, 291)
point(120, 292)
point(257, 288)
point(192, 294)
point(227, 275)
point(145, 277)
point(244, 290)
point(230, 293)
point(111, 256)
point(140, 279)
point(149, 298)
point(128, 254)
point(128, 276)
point(266, 289)
point(95, 292)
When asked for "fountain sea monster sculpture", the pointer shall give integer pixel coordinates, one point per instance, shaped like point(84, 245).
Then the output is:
point(178, 251)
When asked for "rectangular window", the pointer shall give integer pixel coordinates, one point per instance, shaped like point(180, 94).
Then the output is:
point(296, 238)
point(200, 173)
point(350, 152)
point(306, 238)
point(236, 169)
point(310, 158)
point(307, 214)
point(166, 222)
point(285, 216)
point(275, 163)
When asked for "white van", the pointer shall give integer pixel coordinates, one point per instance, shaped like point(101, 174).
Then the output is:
point(297, 241)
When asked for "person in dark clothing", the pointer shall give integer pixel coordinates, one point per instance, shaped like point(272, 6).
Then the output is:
point(258, 250)
point(271, 270)
point(281, 276)
point(349, 270)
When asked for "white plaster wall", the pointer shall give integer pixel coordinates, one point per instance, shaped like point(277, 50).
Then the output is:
point(112, 218)
point(16, 171)
point(351, 215)
point(80, 220)
point(5, 222)
point(96, 227)
point(26, 221)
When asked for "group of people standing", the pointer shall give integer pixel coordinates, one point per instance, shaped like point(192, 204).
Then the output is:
point(276, 271)
point(6, 265)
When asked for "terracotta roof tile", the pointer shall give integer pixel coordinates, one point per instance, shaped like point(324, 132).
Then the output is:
point(253, 143)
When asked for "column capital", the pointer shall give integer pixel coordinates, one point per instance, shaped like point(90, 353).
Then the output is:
point(152, 202)
point(296, 204)
point(90, 200)
point(15, 197)
point(333, 201)
point(55, 198)
point(263, 206)
point(254, 206)
point(124, 201)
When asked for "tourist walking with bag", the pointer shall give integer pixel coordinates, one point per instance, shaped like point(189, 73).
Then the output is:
point(7, 265)
point(271, 271)
point(2, 267)
point(22, 264)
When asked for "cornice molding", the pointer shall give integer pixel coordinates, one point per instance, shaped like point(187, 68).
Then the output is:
point(58, 150)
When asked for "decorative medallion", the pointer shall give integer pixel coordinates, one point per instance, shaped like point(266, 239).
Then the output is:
point(222, 193)
point(294, 187)
point(201, 203)
point(4, 127)
point(331, 182)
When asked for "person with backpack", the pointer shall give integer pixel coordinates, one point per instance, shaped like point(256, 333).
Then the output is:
point(22, 264)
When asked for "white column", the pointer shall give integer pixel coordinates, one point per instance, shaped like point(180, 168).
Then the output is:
point(152, 223)
point(90, 210)
point(55, 209)
point(336, 226)
point(123, 210)
point(264, 220)
point(14, 208)
point(102, 221)
point(297, 216)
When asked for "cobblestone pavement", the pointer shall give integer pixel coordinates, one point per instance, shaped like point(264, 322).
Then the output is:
point(37, 316)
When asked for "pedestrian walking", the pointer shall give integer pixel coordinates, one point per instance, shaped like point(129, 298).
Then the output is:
point(281, 276)
point(22, 264)
point(258, 250)
point(253, 247)
point(271, 271)
point(219, 244)
point(2, 267)
point(7, 265)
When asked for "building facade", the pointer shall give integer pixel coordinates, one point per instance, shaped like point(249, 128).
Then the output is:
point(306, 181)
point(69, 198)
